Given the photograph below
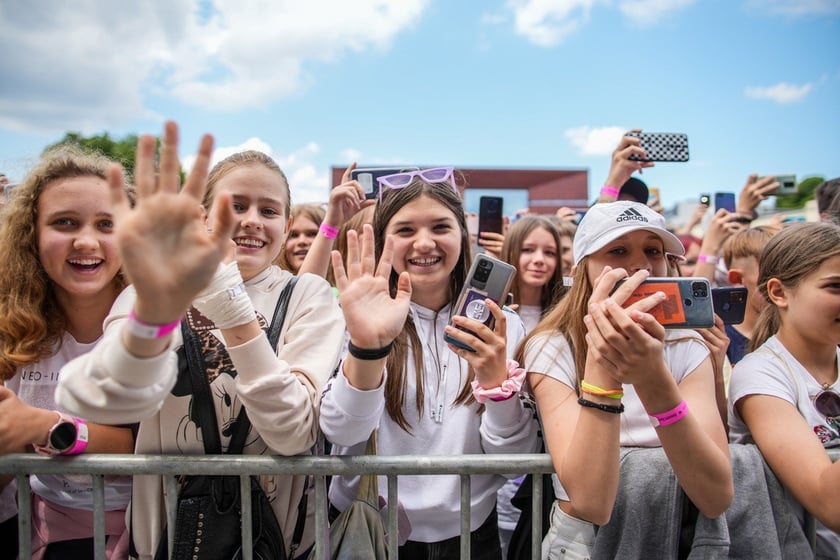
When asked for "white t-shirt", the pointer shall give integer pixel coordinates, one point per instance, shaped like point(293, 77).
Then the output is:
point(35, 385)
point(530, 315)
point(772, 370)
point(550, 354)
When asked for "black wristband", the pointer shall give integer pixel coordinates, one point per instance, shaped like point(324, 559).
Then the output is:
point(611, 408)
point(369, 353)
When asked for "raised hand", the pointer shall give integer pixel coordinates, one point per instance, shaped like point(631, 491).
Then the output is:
point(621, 166)
point(754, 191)
point(167, 249)
point(374, 318)
point(346, 199)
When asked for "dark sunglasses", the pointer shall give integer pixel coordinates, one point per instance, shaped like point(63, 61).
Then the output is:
point(827, 403)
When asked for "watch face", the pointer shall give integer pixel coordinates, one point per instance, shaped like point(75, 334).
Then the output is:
point(63, 436)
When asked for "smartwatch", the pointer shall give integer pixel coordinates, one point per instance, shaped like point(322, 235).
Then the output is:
point(68, 436)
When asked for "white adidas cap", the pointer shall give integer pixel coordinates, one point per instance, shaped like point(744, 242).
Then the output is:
point(606, 222)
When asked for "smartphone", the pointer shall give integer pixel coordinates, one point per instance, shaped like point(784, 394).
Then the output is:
point(725, 200)
point(787, 185)
point(490, 212)
point(662, 146)
point(706, 199)
point(368, 178)
point(687, 305)
point(730, 303)
point(488, 277)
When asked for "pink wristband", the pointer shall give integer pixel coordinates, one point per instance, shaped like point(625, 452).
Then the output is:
point(709, 259)
point(508, 388)
point(328, 231)
point(81, 438)
point(609, 191)
point(144, 330)
point(670, 417)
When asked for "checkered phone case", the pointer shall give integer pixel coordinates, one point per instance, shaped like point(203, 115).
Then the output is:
point(662, 146)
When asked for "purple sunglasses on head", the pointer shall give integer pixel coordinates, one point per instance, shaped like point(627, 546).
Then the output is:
point(402, 180)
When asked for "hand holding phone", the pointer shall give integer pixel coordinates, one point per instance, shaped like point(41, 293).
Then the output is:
point(490, 213)
point(488, 278)
point(661, 146)
point(368, 178)
point(725, 200)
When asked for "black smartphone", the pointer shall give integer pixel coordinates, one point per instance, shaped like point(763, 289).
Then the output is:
point(706, 199)
point(490, 212)
point(687, 305)
point(730, 303)
point(368, 177)
point(488, 278)
point(662, 146)
point(725, 200)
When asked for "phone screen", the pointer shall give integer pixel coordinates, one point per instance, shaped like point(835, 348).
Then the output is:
point(490, 212)
point(725, 200)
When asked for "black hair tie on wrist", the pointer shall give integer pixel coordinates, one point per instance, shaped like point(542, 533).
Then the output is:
point(612, 409)
point(369, 353)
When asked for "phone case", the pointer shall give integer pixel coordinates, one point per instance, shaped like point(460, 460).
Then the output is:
point(490, 212)
point(687, 305)
point(787, 185)
point(730, 303)
point(725, 200)
point(487, 278)
point(662, 146)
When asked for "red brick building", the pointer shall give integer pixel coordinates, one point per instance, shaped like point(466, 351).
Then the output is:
point(548, 189)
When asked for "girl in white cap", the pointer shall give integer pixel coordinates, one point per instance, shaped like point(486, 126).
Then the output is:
point(605, 376)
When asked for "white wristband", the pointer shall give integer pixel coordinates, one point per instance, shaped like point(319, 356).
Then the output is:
point(225, 301)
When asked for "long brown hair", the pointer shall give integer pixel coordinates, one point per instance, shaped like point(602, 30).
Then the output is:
point(791, 255)
point(31, 321)
point(396, 364)
point(512, 250)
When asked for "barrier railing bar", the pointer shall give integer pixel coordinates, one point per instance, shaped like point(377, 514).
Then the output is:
point(466, 505)
point(245, 517)
point(24, 521)
point(393, 518)
point(536, 516)
point(171, 502)
point(98, 517)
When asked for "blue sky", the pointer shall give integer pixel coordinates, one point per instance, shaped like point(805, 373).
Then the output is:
point(521, 83)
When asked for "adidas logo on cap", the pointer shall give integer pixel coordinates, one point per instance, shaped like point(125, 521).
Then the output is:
point(629, 215)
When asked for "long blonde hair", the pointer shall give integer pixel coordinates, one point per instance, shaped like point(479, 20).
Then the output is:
point(31, 321)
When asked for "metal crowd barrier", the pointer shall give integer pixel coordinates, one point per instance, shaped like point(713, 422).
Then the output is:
point(23, 465)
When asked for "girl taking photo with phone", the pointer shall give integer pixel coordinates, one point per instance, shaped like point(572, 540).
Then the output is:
point(785, 394)
point(397, 289)
point(605, 376)
point(59, 276)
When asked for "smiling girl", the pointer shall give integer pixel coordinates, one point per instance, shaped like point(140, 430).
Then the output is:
point(176, 263)
point(59, 276)
point(433, 400)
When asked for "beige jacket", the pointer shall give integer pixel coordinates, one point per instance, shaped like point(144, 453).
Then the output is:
point(281, 392)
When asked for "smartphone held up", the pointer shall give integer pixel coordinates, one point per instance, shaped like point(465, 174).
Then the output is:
point(687, 305)
point(488, 278)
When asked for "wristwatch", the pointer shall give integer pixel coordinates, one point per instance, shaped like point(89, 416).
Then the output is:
point(68, 436)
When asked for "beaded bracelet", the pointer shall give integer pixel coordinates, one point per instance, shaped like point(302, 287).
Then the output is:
point(612, 409)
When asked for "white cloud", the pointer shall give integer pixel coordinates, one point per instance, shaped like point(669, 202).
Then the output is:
point(86, 65)
point(309, 181)
point(782, 92)
point(595, 141)
point(796, 7)
point(547, 22)
point(649, 12)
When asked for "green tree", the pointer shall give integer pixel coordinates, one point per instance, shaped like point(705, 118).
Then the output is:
point(121, 150)
point(804, 192)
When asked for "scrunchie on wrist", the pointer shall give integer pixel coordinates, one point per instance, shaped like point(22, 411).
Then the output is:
point(225, 301)
point(508, 388)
